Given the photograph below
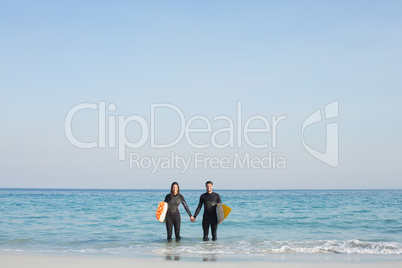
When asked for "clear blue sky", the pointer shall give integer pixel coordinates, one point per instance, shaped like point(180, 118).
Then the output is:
point(276, 58)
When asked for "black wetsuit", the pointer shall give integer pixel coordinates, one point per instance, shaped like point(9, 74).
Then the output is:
point(210, 217)
point(173, 215)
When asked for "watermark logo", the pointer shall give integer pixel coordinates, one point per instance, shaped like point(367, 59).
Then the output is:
point(238, 131)
point(218, 142)
point(201, 160)
point(331, 154)
point(256, 134)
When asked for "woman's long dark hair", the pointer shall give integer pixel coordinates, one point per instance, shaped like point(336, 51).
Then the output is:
point(171, 190)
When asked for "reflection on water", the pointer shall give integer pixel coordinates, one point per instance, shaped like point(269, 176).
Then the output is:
point(170, 257)
point(207, 258)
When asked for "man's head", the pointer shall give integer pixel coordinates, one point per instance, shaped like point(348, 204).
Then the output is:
point(208, 186)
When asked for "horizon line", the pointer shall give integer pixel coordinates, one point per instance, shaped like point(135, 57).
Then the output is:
point(220, 189)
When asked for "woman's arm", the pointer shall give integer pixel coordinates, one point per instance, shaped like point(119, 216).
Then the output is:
point(199, 207)
point(183, 201)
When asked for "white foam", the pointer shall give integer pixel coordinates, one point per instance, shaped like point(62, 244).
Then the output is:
point(233, 248)
point(288, 247)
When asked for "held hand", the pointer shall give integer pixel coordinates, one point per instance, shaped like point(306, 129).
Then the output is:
point(192, 219)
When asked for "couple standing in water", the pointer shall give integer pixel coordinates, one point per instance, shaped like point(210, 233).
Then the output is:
point(210, 218)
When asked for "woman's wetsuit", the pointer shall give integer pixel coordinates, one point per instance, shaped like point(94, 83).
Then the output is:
point(210, 217)
point(173, 215)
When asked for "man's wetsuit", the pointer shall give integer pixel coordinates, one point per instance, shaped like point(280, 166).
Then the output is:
point(210, 217)
point(173, 215)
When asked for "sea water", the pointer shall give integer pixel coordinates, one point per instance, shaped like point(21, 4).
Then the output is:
point(262, 224)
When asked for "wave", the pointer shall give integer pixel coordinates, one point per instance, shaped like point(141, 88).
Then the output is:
point(338, 247)
point(20, 241)
point(288, 247)
point(221, 248)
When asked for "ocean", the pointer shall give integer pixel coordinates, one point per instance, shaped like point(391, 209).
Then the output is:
point(263, 224)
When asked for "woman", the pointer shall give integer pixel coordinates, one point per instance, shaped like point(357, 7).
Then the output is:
point(173, 215)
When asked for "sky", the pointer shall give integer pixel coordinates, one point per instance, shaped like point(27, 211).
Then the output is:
point(113, 75)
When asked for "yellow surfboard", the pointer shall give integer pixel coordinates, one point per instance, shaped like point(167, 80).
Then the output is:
point(223, 211)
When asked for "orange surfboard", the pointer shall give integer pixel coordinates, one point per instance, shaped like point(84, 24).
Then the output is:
point(161, 211)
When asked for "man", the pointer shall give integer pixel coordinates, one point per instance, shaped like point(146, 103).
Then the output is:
point(209, 199)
